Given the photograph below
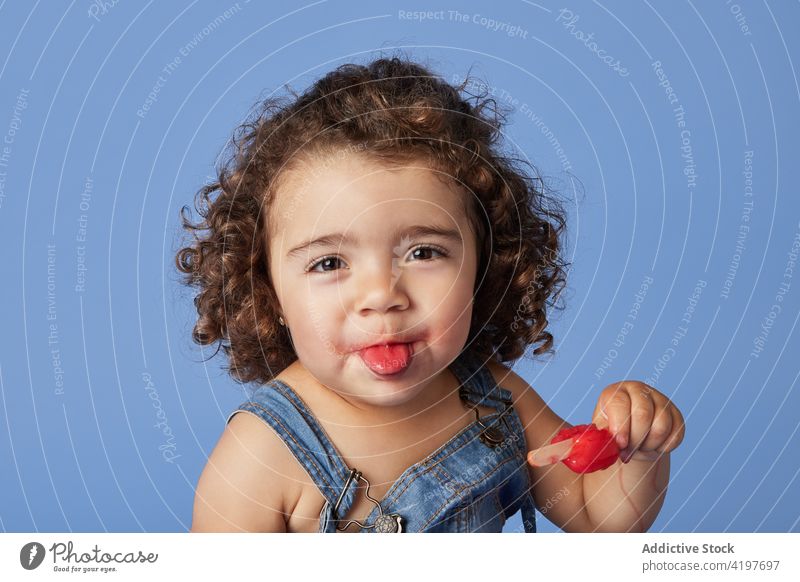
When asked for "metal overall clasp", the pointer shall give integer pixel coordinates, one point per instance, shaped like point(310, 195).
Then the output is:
point(491, 436)
point(384, 523)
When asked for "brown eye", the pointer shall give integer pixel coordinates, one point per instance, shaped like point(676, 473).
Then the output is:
point(422, 253)
point(324, 262)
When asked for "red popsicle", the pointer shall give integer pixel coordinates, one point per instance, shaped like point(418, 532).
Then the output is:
point(592, 449)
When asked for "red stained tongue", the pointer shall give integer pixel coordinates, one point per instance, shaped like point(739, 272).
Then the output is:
point(387, 359)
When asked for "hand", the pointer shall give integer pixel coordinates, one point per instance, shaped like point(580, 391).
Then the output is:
point(645, 423)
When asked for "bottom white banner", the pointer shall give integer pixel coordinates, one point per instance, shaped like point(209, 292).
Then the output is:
point(617, 557)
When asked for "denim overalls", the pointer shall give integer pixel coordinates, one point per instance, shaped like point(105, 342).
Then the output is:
point(472, 483)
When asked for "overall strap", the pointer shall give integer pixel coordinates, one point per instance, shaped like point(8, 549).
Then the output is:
point(477, 384)
point(479, 387)
point(529, 513)
point(280, 407)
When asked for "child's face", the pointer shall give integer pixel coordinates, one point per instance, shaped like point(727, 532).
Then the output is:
point(378, 285)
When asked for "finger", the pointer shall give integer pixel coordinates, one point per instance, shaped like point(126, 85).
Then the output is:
point(618, 409)
point(640, 455)
point(661, 428)
point(642, 412)
point(600, 417)
point(678, 431)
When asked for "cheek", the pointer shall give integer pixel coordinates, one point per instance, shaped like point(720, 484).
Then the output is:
point(313, 335)
point(450, 305)
point(318, 316)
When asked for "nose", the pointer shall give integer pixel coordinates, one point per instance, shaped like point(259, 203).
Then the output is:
point(381, 288)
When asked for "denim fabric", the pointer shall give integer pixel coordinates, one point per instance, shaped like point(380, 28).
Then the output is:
point(464, 486)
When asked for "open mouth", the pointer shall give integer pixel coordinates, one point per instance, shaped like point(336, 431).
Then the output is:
point(387, 359)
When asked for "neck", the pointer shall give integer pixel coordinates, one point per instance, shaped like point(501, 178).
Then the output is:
point(438, 391)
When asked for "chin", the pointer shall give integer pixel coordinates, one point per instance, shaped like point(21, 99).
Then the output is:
point(384, 392)
point(397, 397)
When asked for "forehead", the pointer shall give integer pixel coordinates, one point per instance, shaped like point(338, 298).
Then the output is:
point(356, 194)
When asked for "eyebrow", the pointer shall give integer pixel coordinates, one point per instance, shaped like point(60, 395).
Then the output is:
point(339, 239)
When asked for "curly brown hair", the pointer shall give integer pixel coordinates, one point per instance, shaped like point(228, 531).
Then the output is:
point(394, 110)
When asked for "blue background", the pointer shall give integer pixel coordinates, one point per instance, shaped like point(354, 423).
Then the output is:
point(79, 446)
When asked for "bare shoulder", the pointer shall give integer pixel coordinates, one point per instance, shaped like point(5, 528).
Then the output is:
point(246, 484)
point(540, 422)
point(557, 491)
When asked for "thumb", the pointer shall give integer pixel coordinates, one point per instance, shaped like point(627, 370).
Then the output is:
point(600, 418)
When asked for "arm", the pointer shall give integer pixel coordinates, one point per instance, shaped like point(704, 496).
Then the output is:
point(624, 497)
point(241, 488)
point(628, 495)
point(557, 490)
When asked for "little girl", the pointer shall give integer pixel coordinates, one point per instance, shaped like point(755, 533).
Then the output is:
point(369, 259)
